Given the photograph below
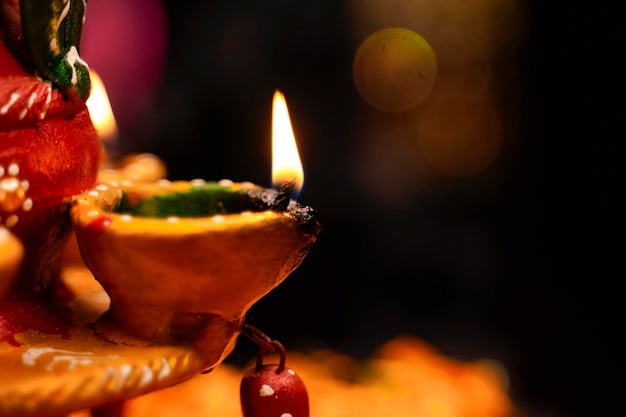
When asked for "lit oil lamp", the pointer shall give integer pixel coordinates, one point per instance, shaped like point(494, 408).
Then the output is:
point(210, 248)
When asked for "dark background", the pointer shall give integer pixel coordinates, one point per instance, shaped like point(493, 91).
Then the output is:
point(514, 266)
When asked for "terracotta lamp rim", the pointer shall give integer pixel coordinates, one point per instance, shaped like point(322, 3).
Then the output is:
point(98, 207)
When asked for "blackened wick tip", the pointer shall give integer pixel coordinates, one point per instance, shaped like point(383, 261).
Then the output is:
point(281, 202)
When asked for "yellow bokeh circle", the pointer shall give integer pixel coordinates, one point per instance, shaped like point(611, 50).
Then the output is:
point(394, 69)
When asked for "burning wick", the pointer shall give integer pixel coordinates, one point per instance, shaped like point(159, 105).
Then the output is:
point(281, 202)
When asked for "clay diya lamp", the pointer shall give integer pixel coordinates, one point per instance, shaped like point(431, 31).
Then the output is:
point(183, 261)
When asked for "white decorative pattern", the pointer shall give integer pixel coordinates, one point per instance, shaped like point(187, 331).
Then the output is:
point(266, 391)
point(13, 193)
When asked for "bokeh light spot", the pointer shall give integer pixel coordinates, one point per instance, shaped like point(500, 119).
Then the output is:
point(126, 41)
point(460, 135)
point(394, 69)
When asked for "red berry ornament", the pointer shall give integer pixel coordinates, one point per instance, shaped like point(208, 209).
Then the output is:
point(272, 390)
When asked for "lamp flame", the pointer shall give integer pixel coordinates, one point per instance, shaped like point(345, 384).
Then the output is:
point(100, 110)
point(286, 165)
